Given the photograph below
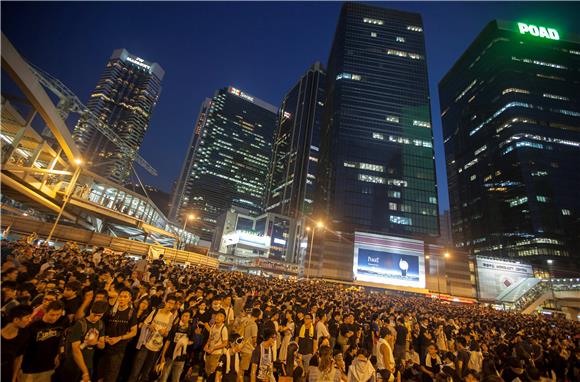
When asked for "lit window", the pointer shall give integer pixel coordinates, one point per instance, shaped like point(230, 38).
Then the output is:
point(378, 136)
point(514, 90)
point(394, 52)
point(468, 88)
point(415, 56)
point(414, 28)
point(480, 150)
point(348, 76)
point(518, 201)
point(432, 200)
point(555, 96)
point(372, 21)
point(566, 212)
point(566, 112)
point(400, 39)
point(356, 77)
point(373, 34)
point(395, 194)
point(540, 63)
point(350, 164)
point(542, 198)
point(397, 182)
point(473, 177)
point(392, 118)
point(574, 52)
point(422, 124)
point(371, 178)
point(392, 206)
point(400, 220)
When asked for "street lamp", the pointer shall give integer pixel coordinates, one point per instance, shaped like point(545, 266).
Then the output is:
point(319, 225)
point(189, 217)
point(550, 270)
point(67, 195)
point(446, 255)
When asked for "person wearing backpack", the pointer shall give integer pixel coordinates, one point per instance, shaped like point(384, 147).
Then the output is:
point(121, 327)
point(216, 343)
point(153, 332)
point(80, 342)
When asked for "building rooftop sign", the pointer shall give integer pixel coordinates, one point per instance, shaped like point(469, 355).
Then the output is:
point(241, 94)
point(538, 31)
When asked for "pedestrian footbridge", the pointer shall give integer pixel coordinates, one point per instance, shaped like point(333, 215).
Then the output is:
point(46, 173)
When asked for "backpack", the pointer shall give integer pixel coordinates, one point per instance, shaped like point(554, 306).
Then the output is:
point(66, 341)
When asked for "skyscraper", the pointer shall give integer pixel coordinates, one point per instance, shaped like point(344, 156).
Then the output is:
point(123, 99)
point(376, 179)
point(228, 159)
point(296, 146)
point(377, 169)
point(511, 126)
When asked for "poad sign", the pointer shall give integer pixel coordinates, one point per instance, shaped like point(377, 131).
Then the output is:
point(538, 31)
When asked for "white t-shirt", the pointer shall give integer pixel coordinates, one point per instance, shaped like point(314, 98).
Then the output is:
point(380, 360)
point(321, 330)
point(159, 321)
point(217, 336)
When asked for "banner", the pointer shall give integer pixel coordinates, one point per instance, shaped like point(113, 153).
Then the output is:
point(389, 260)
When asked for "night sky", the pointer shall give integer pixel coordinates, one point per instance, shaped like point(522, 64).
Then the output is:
point(261, 48)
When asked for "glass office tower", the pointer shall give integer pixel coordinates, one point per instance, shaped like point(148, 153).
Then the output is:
point(228, 160)
point(296, 146)
point(511, 126)
point(123, 99)
point(377, 171)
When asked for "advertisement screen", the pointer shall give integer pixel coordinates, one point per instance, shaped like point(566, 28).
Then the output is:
point(388, 260)
point(494, 276)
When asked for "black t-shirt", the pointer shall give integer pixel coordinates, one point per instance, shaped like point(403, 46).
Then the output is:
point(175, 336)
point(85, 333)
point(72, 306)
point(232, 376)
point(42, 346)
point(11, 349)
point(120, 324)
point(333, 327)
point(463, 356)
point(401, 334)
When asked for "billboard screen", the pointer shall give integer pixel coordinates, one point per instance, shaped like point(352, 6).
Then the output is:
point(388, 260)
point(495, 275)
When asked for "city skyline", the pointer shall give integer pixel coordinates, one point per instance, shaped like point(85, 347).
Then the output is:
point(263, 71)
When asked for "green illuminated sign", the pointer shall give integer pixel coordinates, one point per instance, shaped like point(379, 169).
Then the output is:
point(549, 33)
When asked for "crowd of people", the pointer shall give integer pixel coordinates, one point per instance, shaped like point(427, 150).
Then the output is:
point(71, 315)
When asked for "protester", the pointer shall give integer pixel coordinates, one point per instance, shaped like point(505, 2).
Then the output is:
point(152, 307)
point(14, 338)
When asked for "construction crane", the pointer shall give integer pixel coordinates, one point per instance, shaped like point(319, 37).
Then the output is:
point(70, 103)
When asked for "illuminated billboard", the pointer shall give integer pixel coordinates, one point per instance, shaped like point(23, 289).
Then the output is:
point(495, 275)
point(389, 260)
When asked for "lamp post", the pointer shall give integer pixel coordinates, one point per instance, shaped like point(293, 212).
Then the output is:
point(319, 224)
point(445, 256)
point(189, 217)
point(550, 270)
point(67, 196)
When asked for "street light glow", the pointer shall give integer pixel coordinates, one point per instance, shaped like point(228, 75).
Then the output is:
point(320, 224)
point(427, 257)
point(308, 229)
point(191, 216)
point(550, 261)
point(446, 255)
point(78, 161)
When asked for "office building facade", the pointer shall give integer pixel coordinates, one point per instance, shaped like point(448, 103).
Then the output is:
point(511, 127)
point(123, 99)
point(228, 161)
point(296, 147)
point(377, 164)
point(376, 169)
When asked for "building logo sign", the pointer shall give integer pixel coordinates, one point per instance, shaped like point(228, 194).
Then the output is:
point(538, 31)
point(241, 94)
point(139, 62)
